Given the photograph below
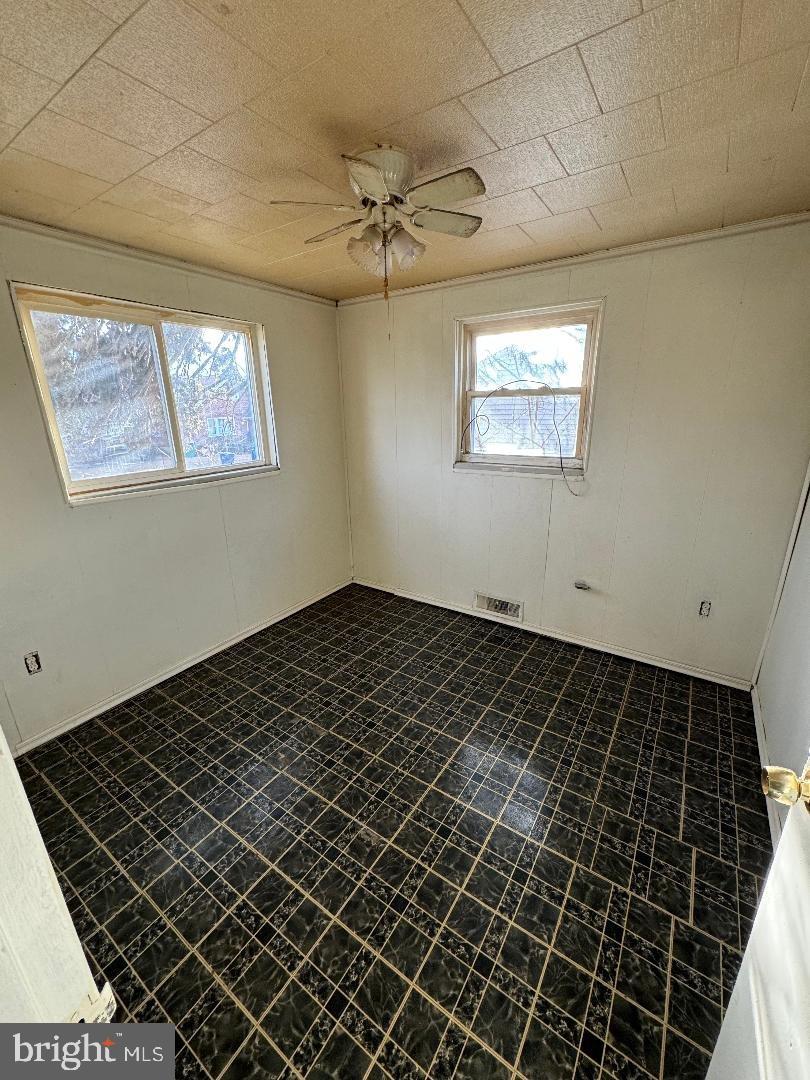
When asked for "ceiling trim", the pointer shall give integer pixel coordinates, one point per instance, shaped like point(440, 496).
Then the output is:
point(760, 225)
point(95, 243)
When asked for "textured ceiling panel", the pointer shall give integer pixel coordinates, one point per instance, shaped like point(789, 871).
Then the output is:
point(171, 125)
point(104, 98)
point(517, 32)
point(544, 96)
point(664, 48)
point(177, 51)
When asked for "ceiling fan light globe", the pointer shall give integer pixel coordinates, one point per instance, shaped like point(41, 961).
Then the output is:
point(363, 253)
point(406, 248)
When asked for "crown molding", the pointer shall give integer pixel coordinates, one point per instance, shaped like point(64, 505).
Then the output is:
point(594, 256)
point(94, 243)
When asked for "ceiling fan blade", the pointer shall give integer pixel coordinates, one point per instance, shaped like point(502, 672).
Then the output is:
point(367, 178)
point(333, 232)
point(295, 202)
point(446, 221)
point(452, 187)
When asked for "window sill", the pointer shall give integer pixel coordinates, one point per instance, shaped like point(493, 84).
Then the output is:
point(551, 472)
point(83, 498)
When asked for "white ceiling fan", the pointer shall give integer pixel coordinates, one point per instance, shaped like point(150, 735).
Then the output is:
point(382, 179)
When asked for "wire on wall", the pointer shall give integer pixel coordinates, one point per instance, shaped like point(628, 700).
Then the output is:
point(475, 421)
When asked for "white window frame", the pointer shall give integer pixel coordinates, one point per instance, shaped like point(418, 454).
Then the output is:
point(467, 329)
point(28, 298)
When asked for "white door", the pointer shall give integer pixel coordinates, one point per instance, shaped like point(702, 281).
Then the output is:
point(766, 1030)
point(44, 976)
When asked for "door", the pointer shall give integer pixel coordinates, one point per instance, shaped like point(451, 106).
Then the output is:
point(766, 1030)
point(44, 976)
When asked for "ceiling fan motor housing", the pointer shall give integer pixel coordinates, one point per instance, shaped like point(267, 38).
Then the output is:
point(395, 164)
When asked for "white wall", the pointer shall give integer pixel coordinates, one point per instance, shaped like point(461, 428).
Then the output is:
point(783, 685)
point(116, 593)
point(700, 440)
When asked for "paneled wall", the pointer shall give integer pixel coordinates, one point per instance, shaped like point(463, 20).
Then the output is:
point(700, 439)
point(117, 593)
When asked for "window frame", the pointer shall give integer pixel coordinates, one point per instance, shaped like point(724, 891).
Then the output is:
point(28, 298)
point(467, 328)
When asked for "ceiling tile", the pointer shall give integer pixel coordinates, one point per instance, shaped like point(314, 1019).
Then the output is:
point(205, 231)
point(771, 25)
point(162, 45)
point(734, 97)
point(518, 167)
point(430, 53)
point(104, 98)
point(705, 155)
point(549, 94)
point(710, 196)
point(628, 132)
point(52, 37)
point(33, 207)
point(117, 10)
point(767, 138)
point(575, 224)
point(670, 45)
point(295, 185)
point(146, 197)
point(253, 216)
point(512, 209)
point(23, 172)
point(291, 35)
point(772, 200)
point(112, 222)
point(329, 105)
point(194, 174)
point(291, 239)
point(584, 189)
point(643, 210)
point(440, 137)
point(75, 146)
point(22, 93)
point(250, 145)
point(520, 31)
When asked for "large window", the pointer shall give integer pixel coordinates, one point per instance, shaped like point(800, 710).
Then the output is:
point(139, 397)
point(525, 388)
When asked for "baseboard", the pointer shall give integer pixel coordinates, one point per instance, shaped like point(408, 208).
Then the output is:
point(175, 669)
point(774, 820)
point(559, 635)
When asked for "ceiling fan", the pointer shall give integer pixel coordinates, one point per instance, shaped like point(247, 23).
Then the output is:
point(382, 180)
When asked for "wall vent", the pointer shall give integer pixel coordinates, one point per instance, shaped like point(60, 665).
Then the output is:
point(507, 609)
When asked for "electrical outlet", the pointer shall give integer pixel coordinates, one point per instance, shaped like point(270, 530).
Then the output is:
point(33, 664)
point(705, 609)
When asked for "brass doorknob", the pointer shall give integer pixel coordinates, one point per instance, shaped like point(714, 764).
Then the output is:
point(784, 785)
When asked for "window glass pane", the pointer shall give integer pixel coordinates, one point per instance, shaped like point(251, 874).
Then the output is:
point(107, 394)
point(210, 369)
point(525, 425)
point(527, 358)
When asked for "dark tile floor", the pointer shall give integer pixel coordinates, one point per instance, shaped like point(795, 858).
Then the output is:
point(381, 839)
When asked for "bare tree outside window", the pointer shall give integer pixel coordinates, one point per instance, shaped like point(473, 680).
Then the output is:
point(138, 396)
point(211, 380)
point(107, 394)
point(538, 423)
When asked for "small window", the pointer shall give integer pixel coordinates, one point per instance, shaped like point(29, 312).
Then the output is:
point(526, 385)
point(138, 397)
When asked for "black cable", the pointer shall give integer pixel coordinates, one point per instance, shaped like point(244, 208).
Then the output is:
point(481, 434)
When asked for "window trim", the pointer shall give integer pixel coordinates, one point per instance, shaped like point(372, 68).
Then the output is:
point(467, 328)
point(27, 297)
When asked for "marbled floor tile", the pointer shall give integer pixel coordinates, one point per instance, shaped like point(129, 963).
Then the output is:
point(358, 845)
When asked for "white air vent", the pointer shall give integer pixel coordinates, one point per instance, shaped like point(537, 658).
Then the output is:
point(507, 609)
